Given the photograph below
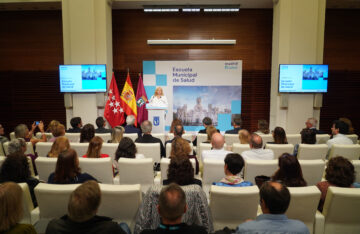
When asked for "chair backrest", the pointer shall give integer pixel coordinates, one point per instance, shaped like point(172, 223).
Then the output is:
point(164, 165)
point(200, 148)
point(356, 164)
point(255, 168)
point(353, 137)
point(186, 136)
point(12, 136)
point(230, 139)
point(312, 170)
point(149, 150)
point(45, 166)
point(201, 137)
point(213, 171)
point(231, 206)
point(293, 138)
point(161, 136)
point(27, 204)
point(132, 136)
point(105, 136)
point(73, 137)
point(136, 171)
point(109, 149)
point(2, 159)
point(99, 168)
point(342, 210)
point(279, 149)
point(48, 135)
point(80, 148)
point(168, 149)
point(303, 205)
point(43, 148)
point(31, 166)
point(2, 152)
point(239, 148)
point(322, 138)
point(351, 152)
point(29, 148)
point(316, 151)
point(266, 138)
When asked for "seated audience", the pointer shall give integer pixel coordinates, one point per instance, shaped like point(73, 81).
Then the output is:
point(127, 149)
point(94, 149)
point(311, 123)
point(3, 138)
point(57, 131)
point(67, 170)
point(263, 127)
point(178, 131)
point(340, 173)
point(234, 163)
point(338, 130)
point(289, 172)
point(117, 134)
point(256, 149)
point(130, 128)
point(101, 123)
point(207, 122)
point(181, 148)
point(274, 201)
point(87, 133)
point(217, 151)
point(11, 210)
point(349, 123)
point(146, 128)
point(181, 172)
point(22, 131)
point(244, 136)
point(52, 125)
point(19, 146)
point(76, 124)
point(15, 168)
point(237, 122)
point(174, 123)
point(171, 207)
point(81, 217)
point(60, 144)
point(210, 132)
point(308, 136)
point(279, 136)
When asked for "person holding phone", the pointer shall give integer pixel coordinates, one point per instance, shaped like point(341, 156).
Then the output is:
point(22, 131)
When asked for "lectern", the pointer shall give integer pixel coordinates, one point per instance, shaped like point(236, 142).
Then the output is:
point(157, 118)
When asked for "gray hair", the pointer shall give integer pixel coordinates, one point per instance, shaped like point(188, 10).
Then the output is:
point(16, 145)
point(146, 126)
point(20, 131)
point(130, 120)
point(313, 122)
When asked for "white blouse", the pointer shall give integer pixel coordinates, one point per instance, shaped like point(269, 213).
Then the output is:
point(158, 102)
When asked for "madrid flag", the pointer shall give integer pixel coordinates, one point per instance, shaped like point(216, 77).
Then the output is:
point(113, 112)
point(141, 100)
point(128, 101)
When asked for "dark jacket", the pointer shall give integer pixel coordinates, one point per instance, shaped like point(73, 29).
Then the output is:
point(132, 129)
point(176, 229)
point(102, 130)
point(79, 179)
point(74, 130)
point(233, 131)
point(147, 138)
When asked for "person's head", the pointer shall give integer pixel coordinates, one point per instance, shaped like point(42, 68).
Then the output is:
point(84, 201)
point(21, 131)
point(52, 125)
point(159, 91)
point(15, 168)
point(174, 123)
point(67, 166)
point(130, 120)
point(263, 126)
point(308, 136)
point(279, 136)
point(207, 122)
point(349, 123)
point(172, 203)
point(339, 126)
point(256, 141)
point(60, 144)
point(289, 171)
point(117, 134)
point(11, 205)
point(76, 122)
point(178, 130)
point(59, 130)
point(217, 141)
point(146, 127)
point(237, 122)
point(180, 171)
point(244, 136)
point(87, 133)
point(126, 149)
point(311, 123)
point(180, 148)
point(94, 149)
point(234, 163)
point(2, 132)
point(100, 122)
point(274, 198)
point(210, 132)
point(17, 146)
point(340, 172)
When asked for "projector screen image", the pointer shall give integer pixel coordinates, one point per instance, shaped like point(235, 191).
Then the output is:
point(303, 78)
point(82, 78)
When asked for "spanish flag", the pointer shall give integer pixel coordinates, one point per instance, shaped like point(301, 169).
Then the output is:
point(128, 100)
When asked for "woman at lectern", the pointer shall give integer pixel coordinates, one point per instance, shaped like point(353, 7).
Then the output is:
point(158, 99)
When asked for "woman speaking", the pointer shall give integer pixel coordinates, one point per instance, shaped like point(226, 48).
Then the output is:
point(158, 99)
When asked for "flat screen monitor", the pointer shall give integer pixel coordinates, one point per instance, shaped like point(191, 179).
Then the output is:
point(303, 78)
point(89, 78)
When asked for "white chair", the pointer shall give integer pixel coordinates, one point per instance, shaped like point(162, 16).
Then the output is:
point(213, 171)
point(255, 168)
point(161, 136)
point(168, 149)
point(80, 148)
point(267, 138)
point(45, 166)
point(293, 138)
point(31, 166)
point(230, 139)
point(342, 210)
point(150, 150)
point(303, 205)
point(136, 171)
point(231, 206)
point(109, 149)
point(322, 138)
point(2, 159)
point(351, 152)
point(201, 137)
point(312, 170)
point(164, 165)
point(29, 148)
point(73, 137)
point(2, 152)
point(43, 148)
point(105, 136)
point(316, 151)
point(353, 137)
point(48, 135)
point(200, 148)
point(12, 136)
point(279, 149)
point(132, 136)
point(99, 168)
point(356, 164)
point(188, 136)
point(28, 206)
point(239, 148)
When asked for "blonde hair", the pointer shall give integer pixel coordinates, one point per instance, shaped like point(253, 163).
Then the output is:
point(210, 131)
point(52, 125)
point(244, 136)
point(58, 130)
point(60, 144)
point(11, 209)
point(159, 89)
point(94, 147)
point(117, 134)
point(180, 148)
